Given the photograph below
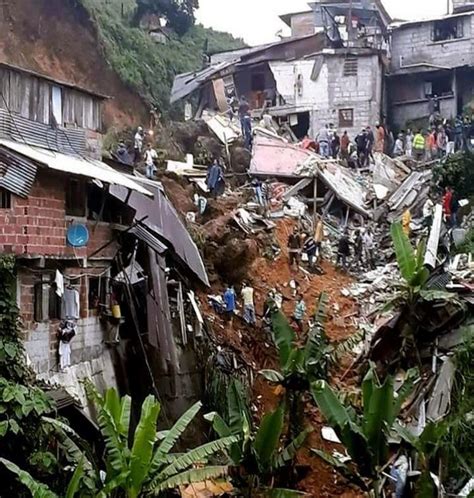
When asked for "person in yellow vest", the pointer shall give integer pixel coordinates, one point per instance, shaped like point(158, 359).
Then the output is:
point(419, 146)
point(406, 220)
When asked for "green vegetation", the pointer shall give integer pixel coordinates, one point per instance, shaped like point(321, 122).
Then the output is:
point(148, 67)
point(457, 171)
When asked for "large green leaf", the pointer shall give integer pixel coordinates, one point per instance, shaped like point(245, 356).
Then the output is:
point(75, 481)
point(173, 435)
point(198, 455)
point(267, 438)
point(289, 453)
point(116, 447)
point(404, 252)
point(236, 407)
point(272, 376)
point(113, 406)
point(327, 401)
point(284, 337)
point(403, 393)
point(144, 440)
point(218, 424)
point(425, 486)
point(37, 489)
point(188, 477)
point(124, 419)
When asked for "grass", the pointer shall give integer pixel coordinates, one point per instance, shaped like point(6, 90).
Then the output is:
point(148, 67)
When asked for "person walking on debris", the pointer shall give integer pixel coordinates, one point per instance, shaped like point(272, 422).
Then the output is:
point(419, 146)
point(428, 213)
point(249, 306)
point(323, 140)
point(138, 143)
point(300, 312)
point(398, 150)
point(294, 247)
point(406, 221)
point(343, 250)
point(215, 175)
point(229, 304)
point(150, 157)
point(358, 248)
point(368, 245)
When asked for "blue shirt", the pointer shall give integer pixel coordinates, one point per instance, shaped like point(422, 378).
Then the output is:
point(229, 300)
point(213, 176)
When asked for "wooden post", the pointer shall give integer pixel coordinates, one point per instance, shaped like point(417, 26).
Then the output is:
point(347, 216)
point(315, 201)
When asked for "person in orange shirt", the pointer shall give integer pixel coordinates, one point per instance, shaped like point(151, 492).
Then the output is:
point(379, 138)
point(432, 145)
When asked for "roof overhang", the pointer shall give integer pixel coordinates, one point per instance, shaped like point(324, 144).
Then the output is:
point(74, 165)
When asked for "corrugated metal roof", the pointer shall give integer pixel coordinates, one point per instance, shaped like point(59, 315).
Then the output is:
point(146, 236)
point(74, 165)
point(163, 221)
point(17, 174)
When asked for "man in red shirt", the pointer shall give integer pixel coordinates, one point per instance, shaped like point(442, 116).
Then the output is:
point(447, 202)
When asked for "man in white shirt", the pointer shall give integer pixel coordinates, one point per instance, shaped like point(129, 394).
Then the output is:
point(138, 143)
point(150, 157)
point(249, 307)
point(368, 245)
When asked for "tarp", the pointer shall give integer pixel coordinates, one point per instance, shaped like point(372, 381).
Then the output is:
point(74, 164)
point(163, 220)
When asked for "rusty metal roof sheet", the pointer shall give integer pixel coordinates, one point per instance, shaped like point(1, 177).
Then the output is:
point(163, 220)
point(73, 164)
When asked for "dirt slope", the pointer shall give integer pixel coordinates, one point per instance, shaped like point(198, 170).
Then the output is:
point(57, 38)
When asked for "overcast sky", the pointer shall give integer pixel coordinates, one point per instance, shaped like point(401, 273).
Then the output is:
point(256, 21)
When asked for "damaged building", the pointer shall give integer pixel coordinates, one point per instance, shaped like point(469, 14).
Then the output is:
point(74, 225)
point(432, 64)
point(330, 71)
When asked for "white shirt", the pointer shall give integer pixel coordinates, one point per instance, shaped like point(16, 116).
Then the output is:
point(368, 240)
point(428, 208)
point(247, 296)
point(138, 141)
point(150, 154)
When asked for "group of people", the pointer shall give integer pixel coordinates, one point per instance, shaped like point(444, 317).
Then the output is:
point(230, 304)
point(306, 243)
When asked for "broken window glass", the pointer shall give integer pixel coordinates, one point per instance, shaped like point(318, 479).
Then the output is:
point(447, 29)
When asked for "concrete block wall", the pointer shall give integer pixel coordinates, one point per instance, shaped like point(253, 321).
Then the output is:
point(414, 44)
point(40, 338)
point(37, 225)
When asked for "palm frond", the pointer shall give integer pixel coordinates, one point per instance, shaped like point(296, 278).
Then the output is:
point(75, 481)
point(283, 336)
point(404, 252)
point(289, 453)
point(267, 438)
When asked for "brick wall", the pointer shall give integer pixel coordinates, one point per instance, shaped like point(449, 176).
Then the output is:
point(37, 225)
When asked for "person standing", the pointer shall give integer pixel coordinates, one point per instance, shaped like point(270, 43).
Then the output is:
point(398, 150)
point(294, 247)
point(379, 138)
point(447, 203)
point(419, 146)
point(358, 248)
point(442, 142)
point(229, 304)
point(138, 143)
point(300, 312)
point(370, 146)
point(345, 141)
point(323, 140)
point(361, 142)
point(214, 176)
point(150, 157)
point(343, 250)
point(309, 247)
point(454, 210)
point(432, 145)
point(247, 132)
point(243, 110)
point(335, 145)
point(368, 244)
point(458, 134)
point(450, 140)
point(428, 213)
point(409, 143)
point(249, 306)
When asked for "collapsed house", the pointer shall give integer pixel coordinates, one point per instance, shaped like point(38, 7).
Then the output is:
point(74, 224)
point(334, 74)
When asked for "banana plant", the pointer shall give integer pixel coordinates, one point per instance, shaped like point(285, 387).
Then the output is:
point(299, 364)
point(259, 452)
point(365, 435)
point(138, 462)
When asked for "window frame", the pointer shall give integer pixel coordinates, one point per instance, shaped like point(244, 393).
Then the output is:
point(71, 208)
point(5, 199)
point(457, 26)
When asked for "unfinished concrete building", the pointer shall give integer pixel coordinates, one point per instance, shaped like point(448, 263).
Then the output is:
point(432, 60)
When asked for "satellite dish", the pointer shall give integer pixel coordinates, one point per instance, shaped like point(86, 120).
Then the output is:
point(77, 235)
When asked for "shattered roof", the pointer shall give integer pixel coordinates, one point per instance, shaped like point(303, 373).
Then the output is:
point(163, 220)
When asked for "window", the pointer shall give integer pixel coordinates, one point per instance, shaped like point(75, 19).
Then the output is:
point(5, 199)
point(346, 118)
point(351, 65)
point(448, 29)
point(76, 197)
point(439, 86)
point(57, 105)
point(97, 292)
point(47, 304)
